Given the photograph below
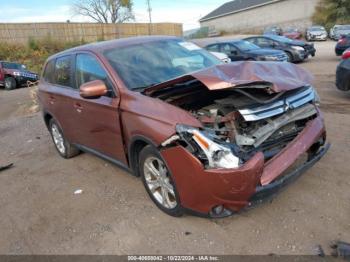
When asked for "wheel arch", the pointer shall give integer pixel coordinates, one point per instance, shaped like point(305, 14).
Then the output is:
point(137, 143)
point(47, 117)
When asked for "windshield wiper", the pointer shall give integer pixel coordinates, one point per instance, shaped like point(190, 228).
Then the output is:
point(142, 88)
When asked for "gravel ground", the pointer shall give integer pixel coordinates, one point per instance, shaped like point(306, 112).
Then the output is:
point(40, 214)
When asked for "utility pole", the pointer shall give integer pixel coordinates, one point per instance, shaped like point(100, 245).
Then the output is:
point(149, 9)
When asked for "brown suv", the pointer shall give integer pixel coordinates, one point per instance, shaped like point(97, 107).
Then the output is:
point(205, 137)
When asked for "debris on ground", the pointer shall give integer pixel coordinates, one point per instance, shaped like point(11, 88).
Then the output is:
point(3, 168)
point(78, 192)
point(341, 249)
point(319, 251)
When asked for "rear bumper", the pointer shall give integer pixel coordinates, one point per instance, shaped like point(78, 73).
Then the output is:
point(339, 50)
point(200, 190)
point(343, 76)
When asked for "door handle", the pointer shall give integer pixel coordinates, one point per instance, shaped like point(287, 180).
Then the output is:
point(78, 107)
point(52, 100)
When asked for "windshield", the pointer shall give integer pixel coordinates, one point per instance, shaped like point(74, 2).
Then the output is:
point(318, 28)
point(151, 63)
point(344, 27)
point(246, 46)
point(281, 39)
point(13, 66)
point(292, 30)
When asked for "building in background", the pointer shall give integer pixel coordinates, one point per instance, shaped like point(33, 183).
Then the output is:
point(252, 16)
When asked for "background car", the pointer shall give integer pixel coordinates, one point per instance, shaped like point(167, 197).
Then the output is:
point(240, 50)
point(316, 33)
point(13, 75)
point(273, 30)
point(340, 31)
point(332, 32)
point(342, 45)
point(292, 33)
point(223, 57)
point(343, 72)
point(297, 51)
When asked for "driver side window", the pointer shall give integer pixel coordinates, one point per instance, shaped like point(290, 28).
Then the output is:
point(229, 49)
point(89, 69)
point(264, 42)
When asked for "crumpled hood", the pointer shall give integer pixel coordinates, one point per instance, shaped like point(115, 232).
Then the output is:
point(282, 76)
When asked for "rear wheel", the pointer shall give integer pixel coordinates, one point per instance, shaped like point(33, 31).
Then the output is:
point(64, 148)
point(10, 83)
point(158, 182)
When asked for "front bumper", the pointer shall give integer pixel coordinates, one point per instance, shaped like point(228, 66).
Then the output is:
point(202, 190)
point(318, 37)
point(266, 192)
point(21, 80)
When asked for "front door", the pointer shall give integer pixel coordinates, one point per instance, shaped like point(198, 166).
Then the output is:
point(97, 120)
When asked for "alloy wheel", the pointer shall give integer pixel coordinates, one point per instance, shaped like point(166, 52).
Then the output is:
point(158, 182)
point(58, 138)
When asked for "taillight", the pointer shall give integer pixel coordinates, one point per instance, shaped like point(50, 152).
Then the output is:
point(346, 55)
point(342, 41)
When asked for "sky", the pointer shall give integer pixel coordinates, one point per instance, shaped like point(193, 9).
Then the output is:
point(180, 11)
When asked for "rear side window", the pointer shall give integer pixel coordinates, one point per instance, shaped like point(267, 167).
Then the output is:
point(49, 71)
point(62, 74)
point(213, 48)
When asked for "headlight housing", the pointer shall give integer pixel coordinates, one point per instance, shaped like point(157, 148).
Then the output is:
point(16, 73)
point(317, 99)
point(218, 156)
point(298, 48)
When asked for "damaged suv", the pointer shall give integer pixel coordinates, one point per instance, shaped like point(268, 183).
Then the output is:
point(205, 137)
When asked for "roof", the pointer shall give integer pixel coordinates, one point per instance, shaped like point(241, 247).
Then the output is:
point(99, 47)
point(235, 7)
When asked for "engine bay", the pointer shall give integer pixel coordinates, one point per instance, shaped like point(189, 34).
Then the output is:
point(246, 119)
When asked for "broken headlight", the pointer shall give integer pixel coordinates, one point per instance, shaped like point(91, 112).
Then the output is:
point(217, 155)
point(317, 99)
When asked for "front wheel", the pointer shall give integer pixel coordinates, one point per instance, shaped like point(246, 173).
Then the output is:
point(158, 182)
point(289, 57)
point(10, 83)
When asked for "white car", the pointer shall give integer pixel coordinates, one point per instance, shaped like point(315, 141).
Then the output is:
point(223, 57)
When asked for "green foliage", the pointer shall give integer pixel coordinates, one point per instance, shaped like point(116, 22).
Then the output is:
point(35, 53)
point(331, 12)
point(200, 33)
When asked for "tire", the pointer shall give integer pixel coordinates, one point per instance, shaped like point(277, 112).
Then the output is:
point(10, 83)
point(158, 182)
point(63, 147)
point(290, 58)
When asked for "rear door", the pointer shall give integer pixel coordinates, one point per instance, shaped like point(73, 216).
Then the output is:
point(56, 93)
point(98, 119)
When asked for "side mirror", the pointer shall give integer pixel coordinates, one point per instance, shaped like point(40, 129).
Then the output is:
point(234, 52)
point(93, 89)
